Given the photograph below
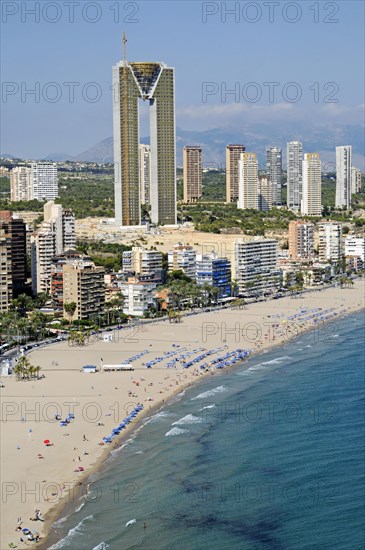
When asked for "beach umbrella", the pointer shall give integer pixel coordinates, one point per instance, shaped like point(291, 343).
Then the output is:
point(46, 441)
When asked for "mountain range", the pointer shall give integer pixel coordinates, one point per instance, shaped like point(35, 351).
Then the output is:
point(321, 139)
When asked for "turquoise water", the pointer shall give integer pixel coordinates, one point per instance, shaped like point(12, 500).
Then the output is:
point(268, 455)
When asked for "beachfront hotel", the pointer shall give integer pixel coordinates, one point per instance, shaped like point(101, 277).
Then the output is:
point(248, 181)
point(256, 267)
point(294, 159)
point(301, 239)
point(312, 186)
point(343, 176)
point(152, 82)
point(6, 283)
point(274, 172)
point(83, 284)
point(233, 155)
point(192, 161)
point(15, 228)
point(329, 241)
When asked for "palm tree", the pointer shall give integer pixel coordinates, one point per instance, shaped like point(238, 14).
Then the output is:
point(70, 309)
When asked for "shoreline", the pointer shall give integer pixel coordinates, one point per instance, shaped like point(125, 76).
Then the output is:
point(55, 511)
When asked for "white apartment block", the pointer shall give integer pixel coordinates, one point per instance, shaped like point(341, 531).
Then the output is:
point(183, 257)
point(45, 180)
point(138, 296)
point(256, 269)
point(248, 181)
point(294, 158)
point(21, 184)
point(142, 261)
point(355, 246)
point(312, 185)
point(356, 182)
point(274, 172)
point(343, 176)
point(329, 241)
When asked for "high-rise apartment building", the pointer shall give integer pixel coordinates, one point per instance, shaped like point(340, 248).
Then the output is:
point(214, 271)
point(21, 184)
point(6, 283)
point(192, 160)
point(56, 234)
point(294, 159)
point(356, 183)
point(329, 241)
point(15, 228)
point(183, 257)
point(83, 284)
point(152, 82)
point(248, 181)
point(57, 263)
point(343, 176)
point(256, 269)
point(274, 172)
point(301, 239)
point(266, 193)
point(233, 155)
point(45, 180)
point(145, 173)
point(312, 186)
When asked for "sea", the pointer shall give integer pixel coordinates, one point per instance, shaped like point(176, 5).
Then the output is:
point(266, 455)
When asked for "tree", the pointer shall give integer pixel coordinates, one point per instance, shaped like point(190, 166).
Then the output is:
point(70, 309)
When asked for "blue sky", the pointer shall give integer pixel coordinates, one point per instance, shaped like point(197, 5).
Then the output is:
point(227, 54)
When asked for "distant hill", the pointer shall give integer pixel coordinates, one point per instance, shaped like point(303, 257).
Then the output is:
point(255, 138)
point(321, 139)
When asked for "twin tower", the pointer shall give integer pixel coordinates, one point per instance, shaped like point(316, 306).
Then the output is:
point(153, 82)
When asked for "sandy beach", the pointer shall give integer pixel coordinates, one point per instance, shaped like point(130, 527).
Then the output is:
point(37, 476)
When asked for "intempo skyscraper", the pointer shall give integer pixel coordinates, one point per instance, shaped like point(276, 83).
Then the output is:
point(152, 82)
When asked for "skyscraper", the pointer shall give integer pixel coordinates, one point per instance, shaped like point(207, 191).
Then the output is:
point(145, 172)
point(15, 228)
point(192, 173)
point(274, 172)
point(45, 180)
point(152, 82)
point(294, 158)
point(356, 183)
point(343, 176)
point(233, 155)
point(248, 181)
point(21, 184)
point(266, 193)
point(312, 200)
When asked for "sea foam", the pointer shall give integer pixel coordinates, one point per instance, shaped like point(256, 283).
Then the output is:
point(188, 419)
point(176, 431)
point(70, 535)
point(209, 393)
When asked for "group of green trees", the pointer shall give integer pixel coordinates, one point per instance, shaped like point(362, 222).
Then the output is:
point(24, 370)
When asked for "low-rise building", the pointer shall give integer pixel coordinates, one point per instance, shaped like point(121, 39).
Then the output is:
point(183, 258)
